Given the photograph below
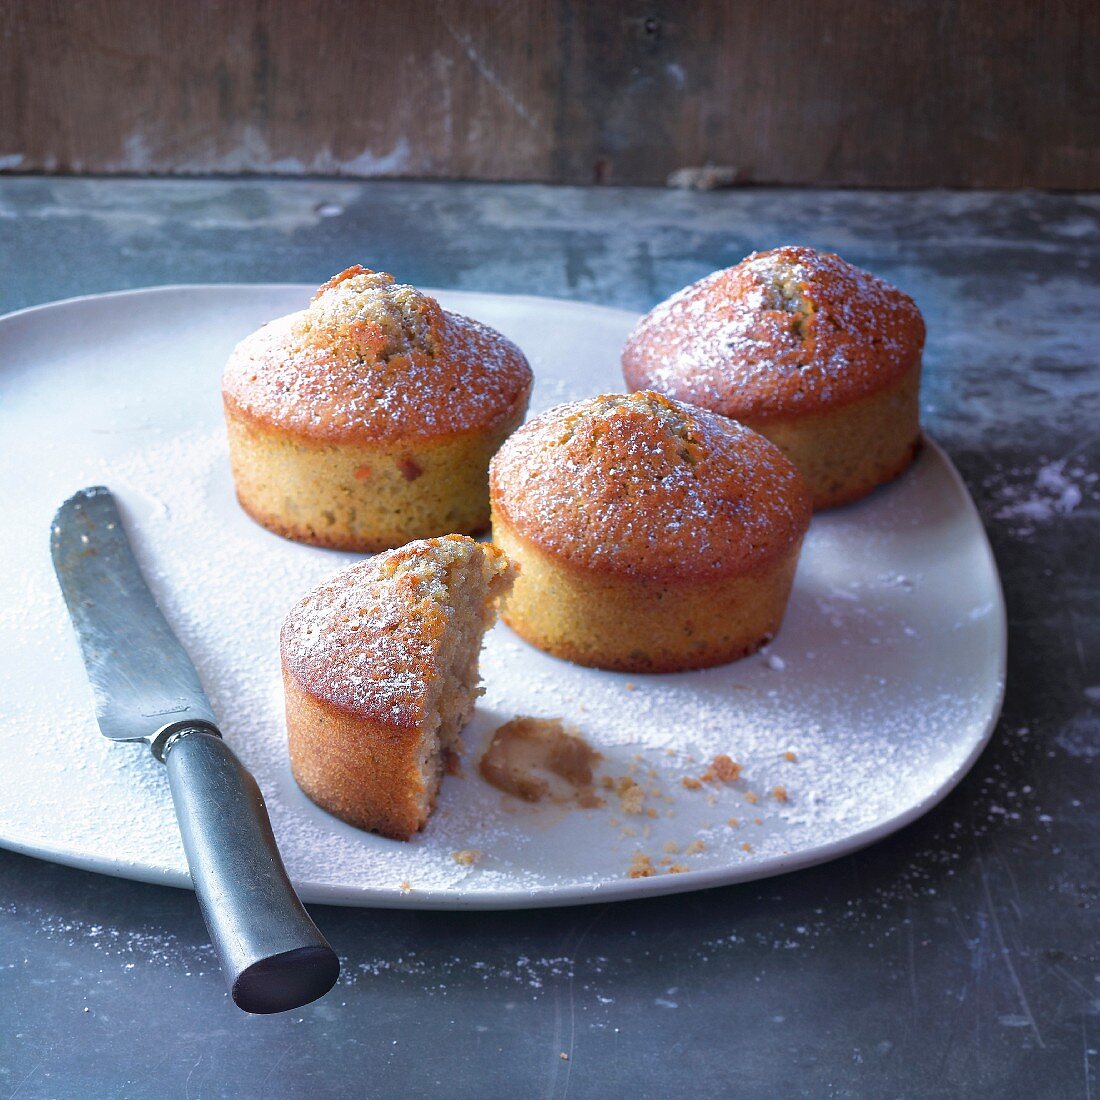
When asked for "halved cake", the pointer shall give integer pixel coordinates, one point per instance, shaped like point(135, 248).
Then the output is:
point(380, 674)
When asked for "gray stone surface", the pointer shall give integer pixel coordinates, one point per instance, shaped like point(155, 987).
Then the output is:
point(958, 958)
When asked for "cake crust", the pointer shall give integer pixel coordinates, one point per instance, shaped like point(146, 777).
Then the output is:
point(361, 497)
point(366, 668)
point(644, 626)
point(374, 361)
point(783, 333)
point(363, 641)
point(652, 536)
point(646, 487)
point(369, 418)
point(371, 782)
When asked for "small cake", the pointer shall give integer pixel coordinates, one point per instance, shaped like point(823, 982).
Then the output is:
point(817, 355)
point(380, 675)
point(651, 536)
point(369, 418)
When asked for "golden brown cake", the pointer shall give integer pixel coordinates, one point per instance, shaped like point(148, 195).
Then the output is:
point(369, 418)
point(652, 536)
point(822, 358)
point(380, 674)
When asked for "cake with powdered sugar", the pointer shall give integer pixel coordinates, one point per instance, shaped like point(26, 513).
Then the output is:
point(380, 672)
point(651, 535)
point(369, 418)
point(822, 358)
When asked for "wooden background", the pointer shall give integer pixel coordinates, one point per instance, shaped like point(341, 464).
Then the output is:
point(911, 93)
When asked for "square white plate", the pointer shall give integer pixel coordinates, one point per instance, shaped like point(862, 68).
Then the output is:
point(884, 683)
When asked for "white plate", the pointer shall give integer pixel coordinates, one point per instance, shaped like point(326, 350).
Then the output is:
point(885, 681)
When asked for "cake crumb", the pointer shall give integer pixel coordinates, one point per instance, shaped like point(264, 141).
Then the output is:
point(630, 685)
point(536, 759)
point(631, 796)
point(677, 869)
point(691, 782)
point(733, 822)
point(671, 847)
point(651, 812)
point(563, 1056)
point(757, 821)
point(725, 768)
point(788, 755)
point(405, 887)
point(629, 830)
point(746, 847)
point(694, 848)
point(779, 793)
point(752, 796)
point(641, 866)
point(467, 857)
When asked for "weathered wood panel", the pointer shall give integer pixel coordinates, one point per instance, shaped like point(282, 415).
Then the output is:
point(972, 93)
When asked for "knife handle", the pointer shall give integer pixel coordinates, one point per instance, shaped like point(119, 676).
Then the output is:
point(272, 954)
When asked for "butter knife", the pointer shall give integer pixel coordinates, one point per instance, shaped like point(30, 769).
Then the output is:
point(146, 689)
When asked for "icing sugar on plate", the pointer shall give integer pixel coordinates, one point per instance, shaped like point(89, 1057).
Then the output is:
point(875, 698)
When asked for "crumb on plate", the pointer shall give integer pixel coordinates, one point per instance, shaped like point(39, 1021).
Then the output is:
point(631, 796)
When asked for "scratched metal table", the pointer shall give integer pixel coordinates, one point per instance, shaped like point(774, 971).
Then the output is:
point(958, 958)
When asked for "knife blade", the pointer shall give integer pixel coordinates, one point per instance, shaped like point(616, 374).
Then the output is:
point(146, 689)
point(143, 682)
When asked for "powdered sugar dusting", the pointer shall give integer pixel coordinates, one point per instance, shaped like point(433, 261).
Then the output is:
point(888, 677)
point(784, 331)
point(376, 360)
point(1028, 498)
point(364, 639)
point(645, 485)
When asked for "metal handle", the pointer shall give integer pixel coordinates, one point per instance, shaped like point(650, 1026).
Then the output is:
point(272, 954)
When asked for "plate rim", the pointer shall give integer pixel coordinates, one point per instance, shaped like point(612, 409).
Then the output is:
point(624, 889)
point(307, 289)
